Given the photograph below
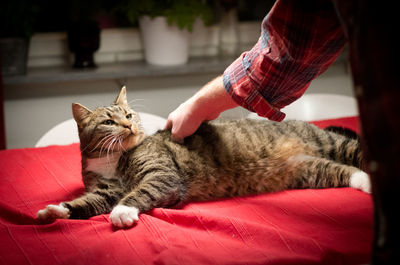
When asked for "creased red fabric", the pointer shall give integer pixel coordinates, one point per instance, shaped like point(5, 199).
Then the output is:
point(329, 226)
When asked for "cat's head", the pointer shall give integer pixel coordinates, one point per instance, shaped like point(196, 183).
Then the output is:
point(106, 130)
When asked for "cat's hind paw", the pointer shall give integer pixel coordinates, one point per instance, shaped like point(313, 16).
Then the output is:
point(53, 212)
point(360, 180)
point(123, 216)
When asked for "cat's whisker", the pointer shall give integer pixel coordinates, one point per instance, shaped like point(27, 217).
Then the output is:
point(108, 150)
point(134, 100)
point(120, 144)
point(84, 148)
point(137, 106)
point(94, 148)
point(133, 104)
point(88, 145)
point(104, 141)
point(97, 145)
point(115, 142)
point(105, 145)
point(111, 145)
point(105, 138)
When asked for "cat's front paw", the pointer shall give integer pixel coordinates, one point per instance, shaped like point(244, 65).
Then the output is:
point(124, 216)
point(53, 212)
point(360, 180)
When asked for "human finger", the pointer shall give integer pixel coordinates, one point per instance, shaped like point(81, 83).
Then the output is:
point(168, 124)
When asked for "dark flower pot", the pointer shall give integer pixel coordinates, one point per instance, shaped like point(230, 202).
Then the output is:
point(84, 41)
point(14, 55)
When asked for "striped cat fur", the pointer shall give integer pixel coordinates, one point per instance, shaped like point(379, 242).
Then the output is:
point(127, 173)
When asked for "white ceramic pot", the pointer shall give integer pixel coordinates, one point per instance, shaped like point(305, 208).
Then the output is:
point(163, 44)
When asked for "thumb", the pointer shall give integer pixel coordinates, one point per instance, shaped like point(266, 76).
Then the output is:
point(175, 136)
point(168, 124)
point(177, 139)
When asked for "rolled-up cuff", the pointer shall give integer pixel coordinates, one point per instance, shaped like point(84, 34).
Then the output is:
point(248, 96)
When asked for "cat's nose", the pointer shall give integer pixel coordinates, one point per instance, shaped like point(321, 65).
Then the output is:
point(127, 125)
point(131, 127)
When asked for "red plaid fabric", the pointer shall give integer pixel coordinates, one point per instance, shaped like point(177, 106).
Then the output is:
point(299, 40)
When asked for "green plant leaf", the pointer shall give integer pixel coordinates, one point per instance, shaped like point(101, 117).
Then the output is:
point(182, 13)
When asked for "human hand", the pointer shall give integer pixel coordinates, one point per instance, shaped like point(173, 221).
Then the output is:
point(205, 105)
point(186, 119)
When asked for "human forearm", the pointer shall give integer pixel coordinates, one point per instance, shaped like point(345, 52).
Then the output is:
point(212, 99)
point(206, 104)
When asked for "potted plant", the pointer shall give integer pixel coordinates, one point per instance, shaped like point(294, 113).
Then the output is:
point(165, 26)
point(16, 28)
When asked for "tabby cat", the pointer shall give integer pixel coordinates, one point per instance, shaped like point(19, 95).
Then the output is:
point(127, 173)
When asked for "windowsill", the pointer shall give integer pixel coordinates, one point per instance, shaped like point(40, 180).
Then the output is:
point(118, 70)
point(120, 55)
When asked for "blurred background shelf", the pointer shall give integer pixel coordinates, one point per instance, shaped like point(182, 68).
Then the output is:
point(120, 70)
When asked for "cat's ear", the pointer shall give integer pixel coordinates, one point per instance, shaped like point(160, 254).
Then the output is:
point(80, 113)
point(121, 99)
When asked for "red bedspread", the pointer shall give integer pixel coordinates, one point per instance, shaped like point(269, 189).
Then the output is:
point(330, 226)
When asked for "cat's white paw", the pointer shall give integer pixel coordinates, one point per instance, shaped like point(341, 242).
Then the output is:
point(53, 212)
point(124, 216)
point(360, 180)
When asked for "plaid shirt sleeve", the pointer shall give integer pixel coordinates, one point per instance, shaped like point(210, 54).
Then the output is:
point(299, 40)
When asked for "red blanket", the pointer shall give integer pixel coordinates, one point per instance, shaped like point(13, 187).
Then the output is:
point(329, 226)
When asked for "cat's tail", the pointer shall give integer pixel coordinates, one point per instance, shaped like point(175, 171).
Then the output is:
point(343, 131)
point(346, 147)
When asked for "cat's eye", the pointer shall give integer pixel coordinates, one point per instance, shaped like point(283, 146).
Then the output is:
point(129, 116)
point(109, 122)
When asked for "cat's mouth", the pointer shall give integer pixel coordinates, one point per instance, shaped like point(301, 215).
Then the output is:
point(132, 138)
point(119, 141)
